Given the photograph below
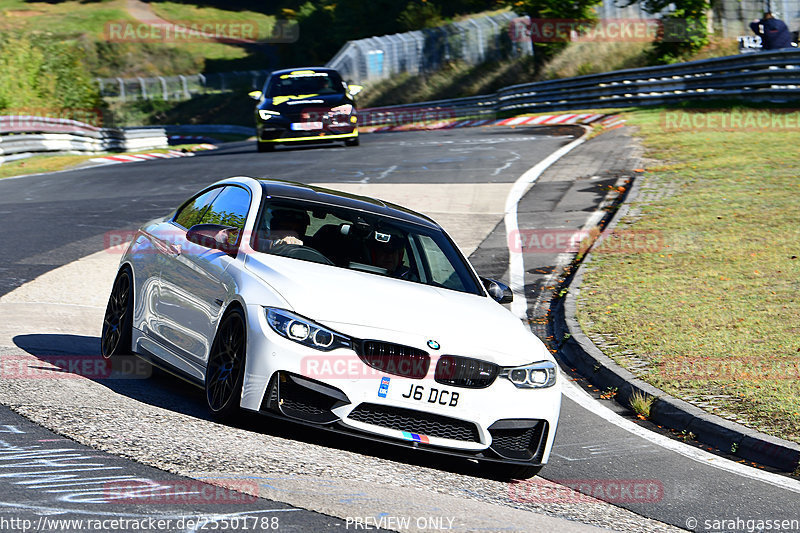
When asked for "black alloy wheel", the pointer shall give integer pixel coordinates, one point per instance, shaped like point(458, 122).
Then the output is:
point(225, 369)
point(118, 320)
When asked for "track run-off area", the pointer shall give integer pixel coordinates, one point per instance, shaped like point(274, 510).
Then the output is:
point(58, 261)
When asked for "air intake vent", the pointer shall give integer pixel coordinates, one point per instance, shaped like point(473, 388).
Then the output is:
point(415, 422)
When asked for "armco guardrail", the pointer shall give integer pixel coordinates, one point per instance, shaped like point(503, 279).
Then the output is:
point(765, 76)
point(23, 136)
point(472, 107)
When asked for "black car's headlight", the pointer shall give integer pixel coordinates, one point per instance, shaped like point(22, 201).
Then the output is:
point(266, 114)
point(306, 332)
point(538, 375)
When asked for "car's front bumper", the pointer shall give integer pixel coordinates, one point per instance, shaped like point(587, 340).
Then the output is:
point(336, 390)
point(279, 129)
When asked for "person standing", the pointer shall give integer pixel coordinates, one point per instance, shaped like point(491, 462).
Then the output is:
point(773, 32)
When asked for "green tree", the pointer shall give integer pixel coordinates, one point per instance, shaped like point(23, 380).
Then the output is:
point(685, 28)
point(42, 76)
point(573, 10)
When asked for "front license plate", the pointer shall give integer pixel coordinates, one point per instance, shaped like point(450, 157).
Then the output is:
point(434, 395)
point(306, 126)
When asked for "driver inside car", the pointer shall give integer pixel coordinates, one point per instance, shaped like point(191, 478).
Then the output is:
point(288, 226)
point(387, 251)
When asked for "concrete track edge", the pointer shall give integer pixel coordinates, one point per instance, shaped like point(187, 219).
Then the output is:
point(579, 352)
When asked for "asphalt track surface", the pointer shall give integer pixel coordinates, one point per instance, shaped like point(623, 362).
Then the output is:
point(56, 219)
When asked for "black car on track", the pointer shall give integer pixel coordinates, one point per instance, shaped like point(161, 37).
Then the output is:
point(307, 105)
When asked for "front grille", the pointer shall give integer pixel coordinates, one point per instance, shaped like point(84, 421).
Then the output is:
point(395, 359)
point(521, 443)
point(465, 372)
point(415, 422)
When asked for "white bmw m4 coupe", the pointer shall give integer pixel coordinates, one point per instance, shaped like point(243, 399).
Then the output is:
point(337, 311)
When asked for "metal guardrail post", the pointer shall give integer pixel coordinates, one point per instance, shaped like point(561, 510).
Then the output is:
point(164, 92)
point(121, 89)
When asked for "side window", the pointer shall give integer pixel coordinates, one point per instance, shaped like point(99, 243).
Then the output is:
point(191, 213)
point(442, 270)
point(230, 208)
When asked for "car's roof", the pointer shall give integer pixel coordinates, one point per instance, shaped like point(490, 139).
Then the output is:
point(290, 70)
point(299, 191)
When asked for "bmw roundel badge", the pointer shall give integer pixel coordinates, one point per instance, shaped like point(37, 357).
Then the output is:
point(433, 345)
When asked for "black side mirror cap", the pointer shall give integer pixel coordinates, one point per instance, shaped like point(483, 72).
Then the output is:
point(500, 292)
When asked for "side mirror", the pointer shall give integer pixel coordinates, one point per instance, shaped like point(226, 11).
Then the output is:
point(255, 95)
point(214, 236)
point(354, 89)
point(498, 291)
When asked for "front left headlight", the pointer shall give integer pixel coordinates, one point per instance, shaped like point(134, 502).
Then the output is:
point(538, 375)
point(304, 331)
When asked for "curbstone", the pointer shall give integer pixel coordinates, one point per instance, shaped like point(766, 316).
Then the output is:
point(581, 353)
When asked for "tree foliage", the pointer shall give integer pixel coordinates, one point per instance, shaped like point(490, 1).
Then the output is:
point(685, 29)
point(575, 10)
point(326, 25)
point(46, 75)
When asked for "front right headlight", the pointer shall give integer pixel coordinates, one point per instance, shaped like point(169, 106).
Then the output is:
point(538, 375)
point(266, 114)
point(304, 331)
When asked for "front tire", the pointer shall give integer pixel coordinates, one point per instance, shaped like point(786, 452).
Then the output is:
point(118, 319)
point(225, 369)
point(352, 142)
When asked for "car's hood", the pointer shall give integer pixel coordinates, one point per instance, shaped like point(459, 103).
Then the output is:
point(371, 306)
point(297, 102)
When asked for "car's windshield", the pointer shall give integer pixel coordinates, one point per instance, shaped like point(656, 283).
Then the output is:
point(304, 82)
point(356, 240)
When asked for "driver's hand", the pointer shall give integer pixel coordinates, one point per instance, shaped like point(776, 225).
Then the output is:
point(289, 240)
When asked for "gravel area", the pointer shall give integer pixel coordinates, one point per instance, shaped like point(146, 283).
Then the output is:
point(166, 428)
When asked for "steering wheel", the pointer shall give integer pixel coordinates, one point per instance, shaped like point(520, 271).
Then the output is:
point(300, 252)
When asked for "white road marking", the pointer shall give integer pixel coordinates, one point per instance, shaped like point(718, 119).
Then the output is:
point(572, 391)
point(516, 266)
point(582, 398)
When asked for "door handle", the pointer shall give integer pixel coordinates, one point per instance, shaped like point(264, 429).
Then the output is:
point(174, 249)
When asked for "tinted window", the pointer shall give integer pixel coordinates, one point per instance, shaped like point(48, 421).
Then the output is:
point(191, 213)
point(305, 82)
point(356, 240)
point(229, 209)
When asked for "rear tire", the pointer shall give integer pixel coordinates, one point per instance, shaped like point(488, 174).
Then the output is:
point(118, 319)
point(225, 369)
point(264, 147)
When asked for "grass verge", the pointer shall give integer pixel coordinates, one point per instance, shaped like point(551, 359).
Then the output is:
point(707, 309)
point(53, 163)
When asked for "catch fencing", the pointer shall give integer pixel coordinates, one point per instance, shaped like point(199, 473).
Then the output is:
point(762, 77)
point(472, 41)
point(179, 87)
